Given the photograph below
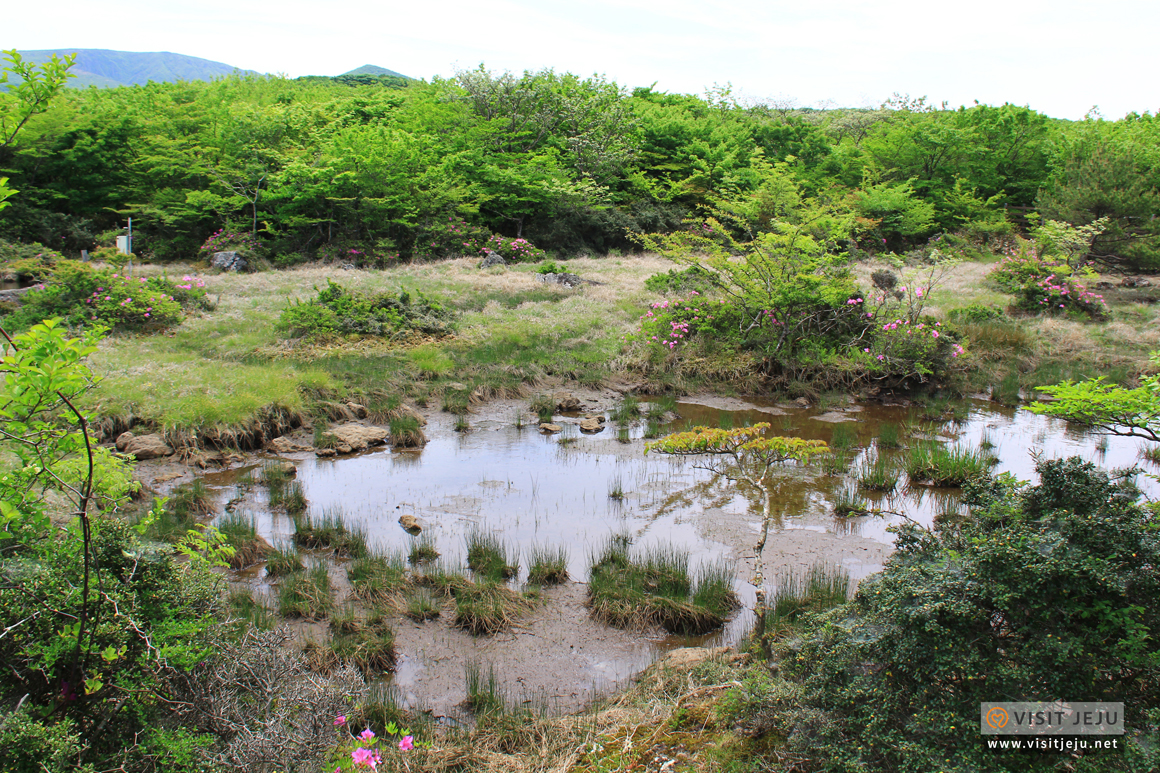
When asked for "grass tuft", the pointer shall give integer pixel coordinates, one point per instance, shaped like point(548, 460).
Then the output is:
point(655, 589)
point(283, 560)
point(407, 433)
point(421, 605)
point(241, 533)
point(329, 531)
point(848, 502)
point(878, 473)
point(549, 566)
point(378, 578)
point(889, 436)
point(307, 594)
point(822, 587)
point(484, 696)
point(933, 463)
point(422, 549)
point(627, 410)
point(544, 407)
point(489, 558)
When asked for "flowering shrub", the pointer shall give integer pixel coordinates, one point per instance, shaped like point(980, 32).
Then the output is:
point(1025, 264)
point(82, 296)
point(518, 250)
point(670, 323)
point(226, 240)
point(364, 750)
point(454, 237)
point(1059, 295)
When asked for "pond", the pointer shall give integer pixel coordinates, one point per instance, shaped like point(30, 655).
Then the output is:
point(575, 490)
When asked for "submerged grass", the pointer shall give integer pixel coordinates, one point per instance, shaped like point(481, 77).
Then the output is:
point(936, 464)
point(329, 532)
point(655, 588)
point(548, 566)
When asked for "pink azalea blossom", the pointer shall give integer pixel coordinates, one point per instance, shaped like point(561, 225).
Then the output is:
point(367, 734)
point(407, 743)
point(339, 721)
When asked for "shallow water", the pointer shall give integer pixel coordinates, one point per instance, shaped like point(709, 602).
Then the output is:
point(541, 489)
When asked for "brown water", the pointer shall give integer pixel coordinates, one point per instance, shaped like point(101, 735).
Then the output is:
point(555, 490)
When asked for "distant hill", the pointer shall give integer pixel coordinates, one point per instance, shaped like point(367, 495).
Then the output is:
point(374, 69)
point(104, 68)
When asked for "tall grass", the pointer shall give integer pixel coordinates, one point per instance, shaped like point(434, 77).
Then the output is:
point(283, 560)
point(407, 433)
point(484, 695)
point(889, 435)
point(307, 594)
point(847, 502)
point(547, 566)
point(933, 463)
point(241, 533)
point(878, 473)
point(378, 577)
point(843, 437)
point(489, 558)
point(822, 587)
point(654, 588)
point(627, 410)
point(329, 531)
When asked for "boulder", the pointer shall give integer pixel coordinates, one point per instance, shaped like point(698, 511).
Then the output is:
point(147, 447)
point(284, 445)
point(353, 436)
point(549, 428)
point(591, 426)
point(123, 441)
point(563, 279)
point(410, 523)
point(14, 295)
point(566, 401)
point(228, 261)
point(492, 258)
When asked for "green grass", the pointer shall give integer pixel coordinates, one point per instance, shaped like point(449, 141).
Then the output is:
point(191, 499)
point(306, 594)
point(489, 558)
point(294, 499)
point(245, 608)
point(627, 410)
point(843, 437)
point(378, 577)
point(878, 473)
point(461, 424)
point(654, 588)
point(660, 407)
point(423, 549)
point(241, 533)
point(889, 436)
point(938, 465)
point(421, 606)
point(544, 406)
point(368, 644)
point(329, 532)
point(548, 566)
point(616, 488)
point(652, 428)
point(484, 695)
point(848, 501)
point(283, 560)
point(835, 463)
point(820, 588)
point(406, 432)
point(485, 608)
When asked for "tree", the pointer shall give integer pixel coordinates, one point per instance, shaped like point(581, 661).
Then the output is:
point(747, 457)
point(1111, 408)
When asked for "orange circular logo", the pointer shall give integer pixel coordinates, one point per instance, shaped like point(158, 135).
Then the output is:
point(997, 717)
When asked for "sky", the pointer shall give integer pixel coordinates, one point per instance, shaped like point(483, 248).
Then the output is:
point(1061, 57)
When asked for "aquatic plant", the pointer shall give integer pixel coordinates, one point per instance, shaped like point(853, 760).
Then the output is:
point(548, 566)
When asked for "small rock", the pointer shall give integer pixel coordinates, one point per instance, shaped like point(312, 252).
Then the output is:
point(546, 427)
point(123, 440)
point(324, 452)
point(286, 468)
point(410, 523)
point(343, 448)
point(563, 279)
point(595, 417)
point(591, 425)
point(228, 261)
point(147, 447)
point(352, 436)
point(167, 478)
point(492, 258)
point(359, 411)
point(802, 402)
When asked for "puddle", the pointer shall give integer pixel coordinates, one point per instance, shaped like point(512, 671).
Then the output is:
point(536, 489)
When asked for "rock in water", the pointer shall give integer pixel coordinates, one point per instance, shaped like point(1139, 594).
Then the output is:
point(410, 523)
point(566, 401)
point(549, 428)
point(228, 261)
point(353, 436)
point(591, 426)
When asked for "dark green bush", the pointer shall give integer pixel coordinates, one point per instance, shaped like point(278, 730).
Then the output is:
point(338, 311)
point(1045, 593)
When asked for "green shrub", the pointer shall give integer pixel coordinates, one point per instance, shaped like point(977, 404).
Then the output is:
point(31, 745)
point(338, 311)
point(681, 282)
point(1044, 593)
point(1059, 295)
point(976, 313)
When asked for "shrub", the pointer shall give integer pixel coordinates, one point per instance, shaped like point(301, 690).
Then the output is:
point(450, 237)
point(83, 295)
point(514, 250)
point(1059, 295)
point(975, 313)
point(683, 282)
point(337, 310)
point(1044, 593)
point(229, 240)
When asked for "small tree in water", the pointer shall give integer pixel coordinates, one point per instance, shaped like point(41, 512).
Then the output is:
point(745, 456)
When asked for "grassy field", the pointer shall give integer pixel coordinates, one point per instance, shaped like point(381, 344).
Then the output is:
point(224, 372)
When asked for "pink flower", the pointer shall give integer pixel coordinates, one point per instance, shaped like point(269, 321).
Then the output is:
point(339, 721)
point(367, 734)
point(407, 743)
point(361, 756)
point(934, 333)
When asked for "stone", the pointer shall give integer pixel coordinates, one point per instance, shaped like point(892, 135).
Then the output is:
point(546, 427)
point(492, 258)
point(566, 401)
point(167, 478)
point(598, 417)
point(147, 447)
point(591, 425)
point(802, 402)
point(228, 261)
point(563, 279)
point(123, 440)
point(359, 411)
point(325, 452)
point(353, 436)
point(410, 523)
point(284, 445)
point(286, 468)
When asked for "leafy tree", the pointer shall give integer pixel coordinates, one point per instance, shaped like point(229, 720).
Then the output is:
point(1111, 408)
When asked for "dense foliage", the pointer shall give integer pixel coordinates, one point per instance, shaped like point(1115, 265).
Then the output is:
point(1045, 593)
point(336, 310)
point(327, 166)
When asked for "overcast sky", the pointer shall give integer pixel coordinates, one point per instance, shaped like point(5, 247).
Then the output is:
point(1060, 57)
